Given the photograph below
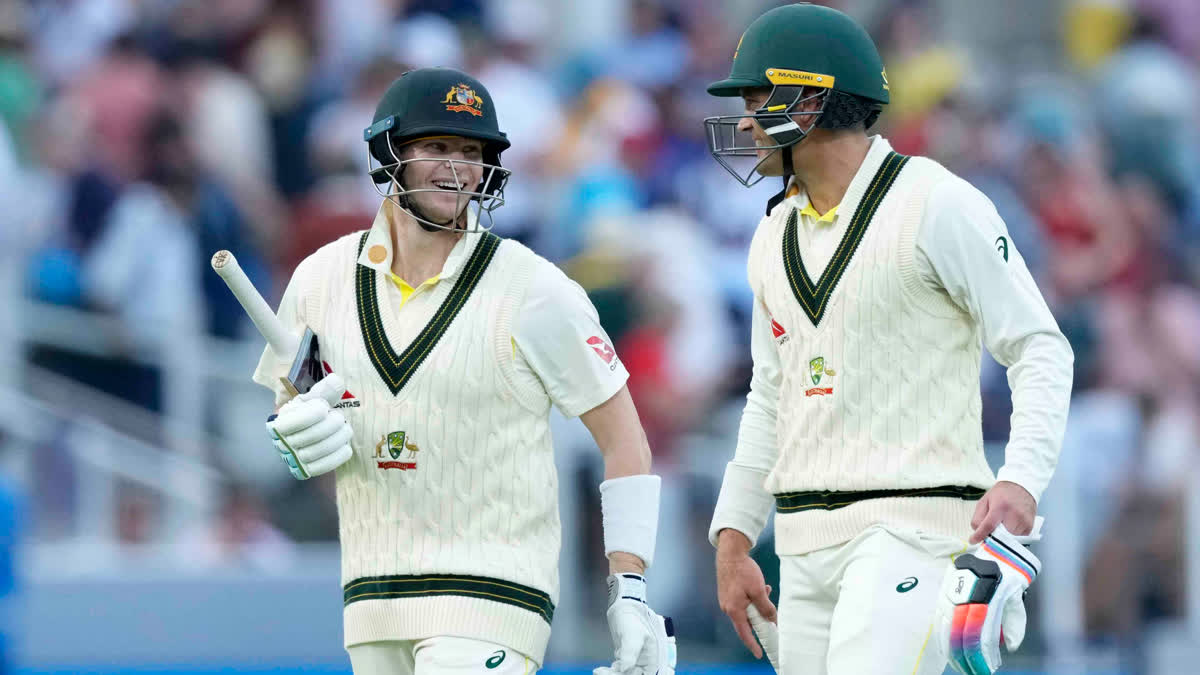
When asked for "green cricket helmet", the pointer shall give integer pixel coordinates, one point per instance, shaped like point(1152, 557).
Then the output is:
point(786, 50)
point(430, 102)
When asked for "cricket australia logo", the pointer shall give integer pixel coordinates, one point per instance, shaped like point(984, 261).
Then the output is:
point(464, 99)
point(402, 451)
point(817, 370)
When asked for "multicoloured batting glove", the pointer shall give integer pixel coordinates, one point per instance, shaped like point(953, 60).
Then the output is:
point(982, 601)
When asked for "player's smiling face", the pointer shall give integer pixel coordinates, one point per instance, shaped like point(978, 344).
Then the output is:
point(445, 166)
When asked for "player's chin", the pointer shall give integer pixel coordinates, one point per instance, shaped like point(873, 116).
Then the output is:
point(443, 208)
point(770, 168)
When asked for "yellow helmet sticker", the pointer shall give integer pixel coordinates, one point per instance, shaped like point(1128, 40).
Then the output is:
point(798, 78)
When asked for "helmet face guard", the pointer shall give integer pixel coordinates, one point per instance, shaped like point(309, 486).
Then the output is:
point(777, 117)
point(485, 197)
point(791, 50)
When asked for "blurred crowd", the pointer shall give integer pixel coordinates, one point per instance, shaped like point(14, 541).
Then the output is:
point(140, 136)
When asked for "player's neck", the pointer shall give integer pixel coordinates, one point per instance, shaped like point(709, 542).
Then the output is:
point(825, 164)
point(418, 254)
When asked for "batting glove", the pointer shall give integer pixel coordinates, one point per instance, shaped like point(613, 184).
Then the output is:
point(312, 437)
point(644, 641)
point(982, 601)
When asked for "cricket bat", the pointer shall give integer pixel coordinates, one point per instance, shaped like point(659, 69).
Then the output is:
point(306, 364)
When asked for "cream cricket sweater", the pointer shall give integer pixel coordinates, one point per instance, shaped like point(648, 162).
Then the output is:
point(879, 410)
point(448, 510)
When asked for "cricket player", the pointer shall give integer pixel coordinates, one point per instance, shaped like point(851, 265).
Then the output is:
point(876, 277)
point(446, 347)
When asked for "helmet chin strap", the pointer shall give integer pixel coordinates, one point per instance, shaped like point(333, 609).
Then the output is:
point(788, 171)
point(423, 219)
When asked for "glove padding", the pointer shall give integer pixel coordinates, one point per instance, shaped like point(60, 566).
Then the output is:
point(644, 641)
point(767, 633)
point(312, 437)
point(982, 601)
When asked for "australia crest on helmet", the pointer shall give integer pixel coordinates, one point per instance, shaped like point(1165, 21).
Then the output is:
point(462, 98)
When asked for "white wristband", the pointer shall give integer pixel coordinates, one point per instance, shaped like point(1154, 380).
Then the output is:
point(629, 506)
point(743, 505)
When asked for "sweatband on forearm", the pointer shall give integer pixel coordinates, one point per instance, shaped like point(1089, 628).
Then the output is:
point(629, 506)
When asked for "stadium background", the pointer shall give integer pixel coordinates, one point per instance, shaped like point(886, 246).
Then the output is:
point(145, 523)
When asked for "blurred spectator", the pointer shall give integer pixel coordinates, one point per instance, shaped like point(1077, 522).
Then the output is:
point(11, 534)
point(428, 41)
point(1153, 130)
point(654, 51)
point(532, 117)
point(241, 538)
point(228, 132)
point(20, 88)
point(71, 34)
point(278, 61)
point(118, 96)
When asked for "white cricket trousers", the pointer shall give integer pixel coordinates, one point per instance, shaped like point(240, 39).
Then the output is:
point(864, 607)
point(438, 655)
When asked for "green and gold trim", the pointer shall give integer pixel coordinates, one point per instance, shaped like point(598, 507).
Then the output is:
point(814, 298)
point(408, 586)
point(823, 500)
point(397, 369)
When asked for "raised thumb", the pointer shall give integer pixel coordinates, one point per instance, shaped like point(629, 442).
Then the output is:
point(331, 387)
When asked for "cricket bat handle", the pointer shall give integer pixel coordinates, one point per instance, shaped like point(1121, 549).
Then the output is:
point(282, 342)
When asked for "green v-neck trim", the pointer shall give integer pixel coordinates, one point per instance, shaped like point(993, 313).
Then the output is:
point(814, 298)
point(397, 369)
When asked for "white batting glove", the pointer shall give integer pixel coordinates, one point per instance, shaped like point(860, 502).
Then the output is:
point(767, 633)
point(982, 601)
point(312, 437)
point(644, 641)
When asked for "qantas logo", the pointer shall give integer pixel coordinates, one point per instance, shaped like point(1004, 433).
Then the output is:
point(348, 399)
point(777, 329)
point(604, 351)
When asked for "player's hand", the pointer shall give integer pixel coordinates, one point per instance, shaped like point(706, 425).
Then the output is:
point(312, 437)
point(644, 642)
point(740, 583)
point(1008, 504)
point(982, 602)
